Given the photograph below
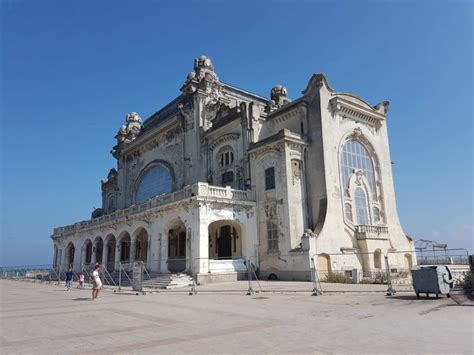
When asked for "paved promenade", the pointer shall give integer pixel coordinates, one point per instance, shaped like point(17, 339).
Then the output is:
point(41, 318)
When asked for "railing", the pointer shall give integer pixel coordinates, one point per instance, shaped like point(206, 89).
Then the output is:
point(371, 229)
point(199, 189)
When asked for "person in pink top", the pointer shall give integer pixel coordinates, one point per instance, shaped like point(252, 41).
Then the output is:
point(81, 280)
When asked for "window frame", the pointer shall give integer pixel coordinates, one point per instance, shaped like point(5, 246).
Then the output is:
point(270, 182)
point(363, 209)
point(272, 236)
point(167, 184)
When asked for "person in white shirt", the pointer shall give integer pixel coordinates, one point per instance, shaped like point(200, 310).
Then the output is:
point(96, 282)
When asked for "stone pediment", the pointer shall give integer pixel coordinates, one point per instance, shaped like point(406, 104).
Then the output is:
point(360, 112)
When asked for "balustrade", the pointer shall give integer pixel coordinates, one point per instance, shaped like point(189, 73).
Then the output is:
point(199, 189)
point(367, 229)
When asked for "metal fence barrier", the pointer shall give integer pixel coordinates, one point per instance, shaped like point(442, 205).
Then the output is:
point(312, 274)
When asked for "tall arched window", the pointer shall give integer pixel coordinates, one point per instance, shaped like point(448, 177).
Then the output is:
point(355, 157)
point(157, 181)
point(361, 207)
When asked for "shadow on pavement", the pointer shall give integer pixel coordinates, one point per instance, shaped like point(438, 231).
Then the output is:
point(82, 299)
point(413, 298)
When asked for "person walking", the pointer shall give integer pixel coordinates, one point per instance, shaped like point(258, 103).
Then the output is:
point(69, 276)
point(81, 280)
point(96, 282)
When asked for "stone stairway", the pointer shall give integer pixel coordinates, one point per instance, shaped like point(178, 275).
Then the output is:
point(166, 281)
point(153, 280)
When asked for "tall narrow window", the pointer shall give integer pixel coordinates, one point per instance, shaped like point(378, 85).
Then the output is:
point(348, 211)
point(226, 158)
point(269, 178)
point(361, 207)
point(272, 235)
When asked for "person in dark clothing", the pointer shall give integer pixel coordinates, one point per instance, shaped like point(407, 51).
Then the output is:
point(69, 276)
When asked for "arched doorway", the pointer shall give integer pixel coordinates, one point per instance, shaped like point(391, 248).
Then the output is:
point(141, 245)
point(110, 244)
point(124, 242)
point(324, 265)
point(177, 247)
point(98, 250)
point(70, 251)
point(408, 262)
point(87, 252)
point(225, 240)
point(378, 259)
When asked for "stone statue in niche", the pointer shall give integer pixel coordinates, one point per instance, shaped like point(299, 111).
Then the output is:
point(128, 132)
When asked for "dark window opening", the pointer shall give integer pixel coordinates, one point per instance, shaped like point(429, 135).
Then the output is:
point(227, 178)
point(269, 178)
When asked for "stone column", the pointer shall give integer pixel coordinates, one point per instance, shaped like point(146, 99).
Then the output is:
point(94, 254)
point(133, 248)
point(200, 242)
point(148, 253)
point(83, 256)
point(189, 254)
point(60, 260)
point(117, 254)
point(105, 251)
point(164, 252)
point(76, 266)
point(55, 256)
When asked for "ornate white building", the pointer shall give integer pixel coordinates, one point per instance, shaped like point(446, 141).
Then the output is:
point(220, 175)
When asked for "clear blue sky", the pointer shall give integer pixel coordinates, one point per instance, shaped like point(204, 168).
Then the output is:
point(71, 70)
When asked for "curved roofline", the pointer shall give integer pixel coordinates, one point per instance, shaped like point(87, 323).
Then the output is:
point(355, 97)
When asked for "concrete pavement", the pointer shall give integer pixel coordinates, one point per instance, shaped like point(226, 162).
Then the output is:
point(41, 318)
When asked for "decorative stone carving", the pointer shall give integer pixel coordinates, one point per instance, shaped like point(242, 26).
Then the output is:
point(128, 132)
point(359, 176)
point(357, 132)
point(204, 80)
point(186, 109)
point(279, 97)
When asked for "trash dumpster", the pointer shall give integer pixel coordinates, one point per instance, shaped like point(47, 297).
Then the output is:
point(432, 279)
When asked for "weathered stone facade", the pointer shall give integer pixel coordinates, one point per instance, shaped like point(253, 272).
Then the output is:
point(221, 175)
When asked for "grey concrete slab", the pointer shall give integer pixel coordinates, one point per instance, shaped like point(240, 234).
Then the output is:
point(40, 318)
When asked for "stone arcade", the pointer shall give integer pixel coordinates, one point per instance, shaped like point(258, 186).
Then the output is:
point(220, 175)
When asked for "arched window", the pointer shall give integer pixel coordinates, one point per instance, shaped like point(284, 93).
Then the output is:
point(226, 157)
point(157, 181)
point(361, 207)
point(355, 157)
point(348, 211)
point(378, 259)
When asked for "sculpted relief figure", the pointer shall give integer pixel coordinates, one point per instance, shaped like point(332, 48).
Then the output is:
point(128, 132)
